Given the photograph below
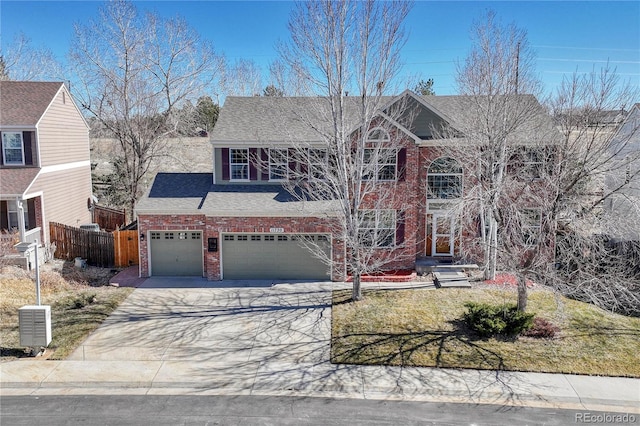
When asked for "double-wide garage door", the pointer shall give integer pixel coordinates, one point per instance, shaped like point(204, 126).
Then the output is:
point(274, 256)
point(176, 252)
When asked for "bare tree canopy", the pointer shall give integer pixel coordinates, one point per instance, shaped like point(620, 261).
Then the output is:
point(21, 61)
point(597, 199)
point(242, 78)
point(339, 48)
point(526, 176)
point(135, 73)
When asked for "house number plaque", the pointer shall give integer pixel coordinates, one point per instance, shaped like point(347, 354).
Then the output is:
point(276, 230)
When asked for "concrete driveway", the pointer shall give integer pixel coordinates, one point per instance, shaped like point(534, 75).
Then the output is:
point(232, 333)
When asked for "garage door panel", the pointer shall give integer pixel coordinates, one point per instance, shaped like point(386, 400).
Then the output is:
point(270, 257)
point(177, 253)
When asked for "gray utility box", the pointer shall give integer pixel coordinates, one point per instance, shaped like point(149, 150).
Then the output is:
point(35, 326)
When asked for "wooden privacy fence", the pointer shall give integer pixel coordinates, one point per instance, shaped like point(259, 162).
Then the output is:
point(107, 218)
point(95, 247)
point(126, 248)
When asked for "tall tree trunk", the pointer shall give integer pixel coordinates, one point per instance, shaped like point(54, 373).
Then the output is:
point(357, 288)
point(522, 293)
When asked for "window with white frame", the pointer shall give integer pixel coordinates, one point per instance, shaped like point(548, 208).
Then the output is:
point(318, 163)
point(532, 161)
point(377, 228)
point(239, 164)
point(378, 134)
point(380, 164)
point(12, 214)
point(531, 224)
point(444, 179)
point(12, 148)
point(278, 164)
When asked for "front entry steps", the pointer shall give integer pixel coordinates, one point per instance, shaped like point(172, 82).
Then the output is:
point(450, 278)
point(447, 271)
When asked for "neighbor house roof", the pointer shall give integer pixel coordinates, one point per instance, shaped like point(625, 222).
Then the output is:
point(22, 103)
point(16, 181)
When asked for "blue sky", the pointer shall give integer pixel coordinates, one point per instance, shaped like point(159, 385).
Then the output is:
point(566, 36)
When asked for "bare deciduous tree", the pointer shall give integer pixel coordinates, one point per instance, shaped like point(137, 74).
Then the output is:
point(337, 48)
point(503, 129)
point(135, 72)
point(597, 201)
point(21, 61)
point(242, 78)
point(527, 176)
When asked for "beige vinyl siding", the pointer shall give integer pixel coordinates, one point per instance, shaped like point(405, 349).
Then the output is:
point(65, 196)
point(62, 133)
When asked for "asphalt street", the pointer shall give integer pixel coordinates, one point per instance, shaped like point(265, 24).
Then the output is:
point(269, 410)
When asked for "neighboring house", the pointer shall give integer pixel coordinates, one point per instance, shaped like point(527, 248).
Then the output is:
point(624, 178)
point(45, 173)
point(239, 222)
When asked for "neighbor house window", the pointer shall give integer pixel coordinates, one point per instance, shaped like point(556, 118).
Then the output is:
point(239, 164)
point(278, 164)
point(12, 148)
point(531, 220)
point(12, 215)
point(318, 163)
point(377, 228)
point(444, 179)
point(532, 161)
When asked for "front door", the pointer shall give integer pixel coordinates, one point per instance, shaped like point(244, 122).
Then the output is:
point(442, 235)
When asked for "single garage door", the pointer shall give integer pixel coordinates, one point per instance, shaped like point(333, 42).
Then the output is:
point(260, 256)
point(176, 253)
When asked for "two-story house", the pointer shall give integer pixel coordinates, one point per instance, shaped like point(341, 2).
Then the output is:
point(45, 172)
point(241, 221)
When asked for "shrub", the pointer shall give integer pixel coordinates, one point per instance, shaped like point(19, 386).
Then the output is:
point(489, 320)
point(79, 301)
point(542, 329)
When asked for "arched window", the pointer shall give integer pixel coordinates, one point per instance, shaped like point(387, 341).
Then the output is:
point(444, 179)
point(378, 134)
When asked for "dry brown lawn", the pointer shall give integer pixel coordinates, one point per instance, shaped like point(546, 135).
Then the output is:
point(423, 327)
point(80, 300)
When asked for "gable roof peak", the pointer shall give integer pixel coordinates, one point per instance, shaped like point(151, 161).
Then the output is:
point(22, 103)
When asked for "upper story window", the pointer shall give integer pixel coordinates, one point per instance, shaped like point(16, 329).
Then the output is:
point(531, 220)
point(239, 164)
point(378, 134)
point(377, 228)
point(444, 179)
point(318, 163)
point(278, 164)
point(528, 162)
point(380, 164)
point(12, 148)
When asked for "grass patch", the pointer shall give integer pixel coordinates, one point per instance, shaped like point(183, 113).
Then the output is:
point(424, 327)
point(79, 299)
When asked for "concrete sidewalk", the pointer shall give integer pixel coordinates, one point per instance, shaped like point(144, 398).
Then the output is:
point(190, 336)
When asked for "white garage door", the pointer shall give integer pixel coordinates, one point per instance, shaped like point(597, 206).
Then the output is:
point(176, 253)
point(268, 256)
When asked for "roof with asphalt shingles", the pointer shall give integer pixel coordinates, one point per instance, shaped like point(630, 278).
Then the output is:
point(22, 103)
point(15, 181)
point(266, 119)
point(193, 193)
